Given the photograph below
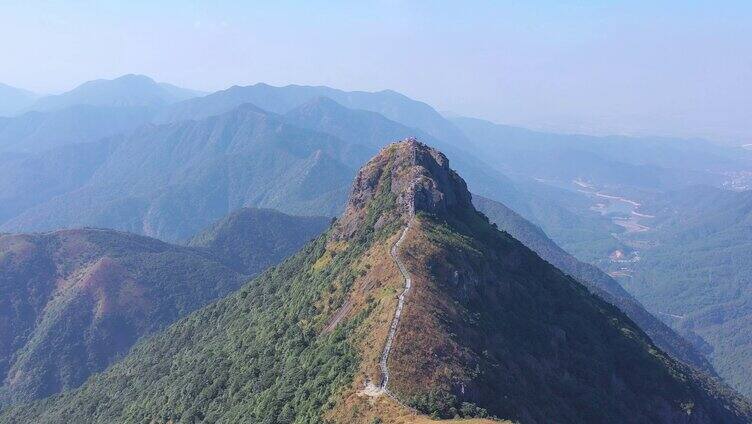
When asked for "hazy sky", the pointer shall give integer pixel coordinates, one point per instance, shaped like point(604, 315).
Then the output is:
point(636, 67)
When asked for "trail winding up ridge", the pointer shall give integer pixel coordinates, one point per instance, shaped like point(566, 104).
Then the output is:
point(397, 313)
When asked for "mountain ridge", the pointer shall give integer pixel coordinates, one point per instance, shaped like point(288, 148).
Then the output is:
point(75, 301)
point(126, 90)
point(488, 328)
point(13, 99)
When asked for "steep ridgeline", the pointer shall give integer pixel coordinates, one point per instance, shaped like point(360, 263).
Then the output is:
point(249, 239)
point(74, 301)
point(597, 281)
point(486, 328)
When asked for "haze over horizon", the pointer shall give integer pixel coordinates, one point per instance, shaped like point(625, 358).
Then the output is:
point(342, 212)
point(673, 69)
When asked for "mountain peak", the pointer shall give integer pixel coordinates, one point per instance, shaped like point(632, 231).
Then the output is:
point(409, 176)
point(135, 78)
point(129, 90)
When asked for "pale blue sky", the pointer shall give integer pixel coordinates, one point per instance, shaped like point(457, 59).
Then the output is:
point(635, 67)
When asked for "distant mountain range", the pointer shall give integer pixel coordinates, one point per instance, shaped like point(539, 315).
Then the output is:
point(126, 91)
point(299, 163)
point(14, 99)
point(645, 163)
point(169, 181)
point(390, 104)
point(411, 303)
point(38, 132)
point(138, 156)
point(74, 301)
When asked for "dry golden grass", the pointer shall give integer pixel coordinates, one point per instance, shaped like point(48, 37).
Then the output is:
point(382, 283)
point(359, 409)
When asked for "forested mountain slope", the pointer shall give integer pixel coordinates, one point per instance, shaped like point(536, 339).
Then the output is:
point(194, 172)
point(696, 274)
point(250, 239)
point(74, 301)
point(487, 327)
point(36, 132)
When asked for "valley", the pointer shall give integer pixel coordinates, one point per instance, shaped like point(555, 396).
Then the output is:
point(624, 213)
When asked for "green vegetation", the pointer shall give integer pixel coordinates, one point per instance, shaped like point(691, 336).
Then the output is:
point(255, 356)
point(252, 357)
point(696, 275)
point(534, 344)
point(250, 240)
point(489, 329)
point(193, 172)
point(440, 404)
point(596, 280)
point(76, 300)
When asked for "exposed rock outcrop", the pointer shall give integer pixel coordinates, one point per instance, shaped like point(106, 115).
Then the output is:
point(416, 176)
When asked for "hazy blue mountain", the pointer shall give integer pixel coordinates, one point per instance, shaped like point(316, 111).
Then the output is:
point(390, 104)
point(690, 262)
point(394, 114)
point(597, 281)
point(29, 179)
point(563, 213)
point(648, 163)
point(251, 239)
point(13, 100)
point(373, 131)
point(127, 90)
point(361, 133)
point(38, 131)
point(171, 180)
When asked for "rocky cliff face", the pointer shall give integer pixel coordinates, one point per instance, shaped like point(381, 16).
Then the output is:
point(415, 176)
